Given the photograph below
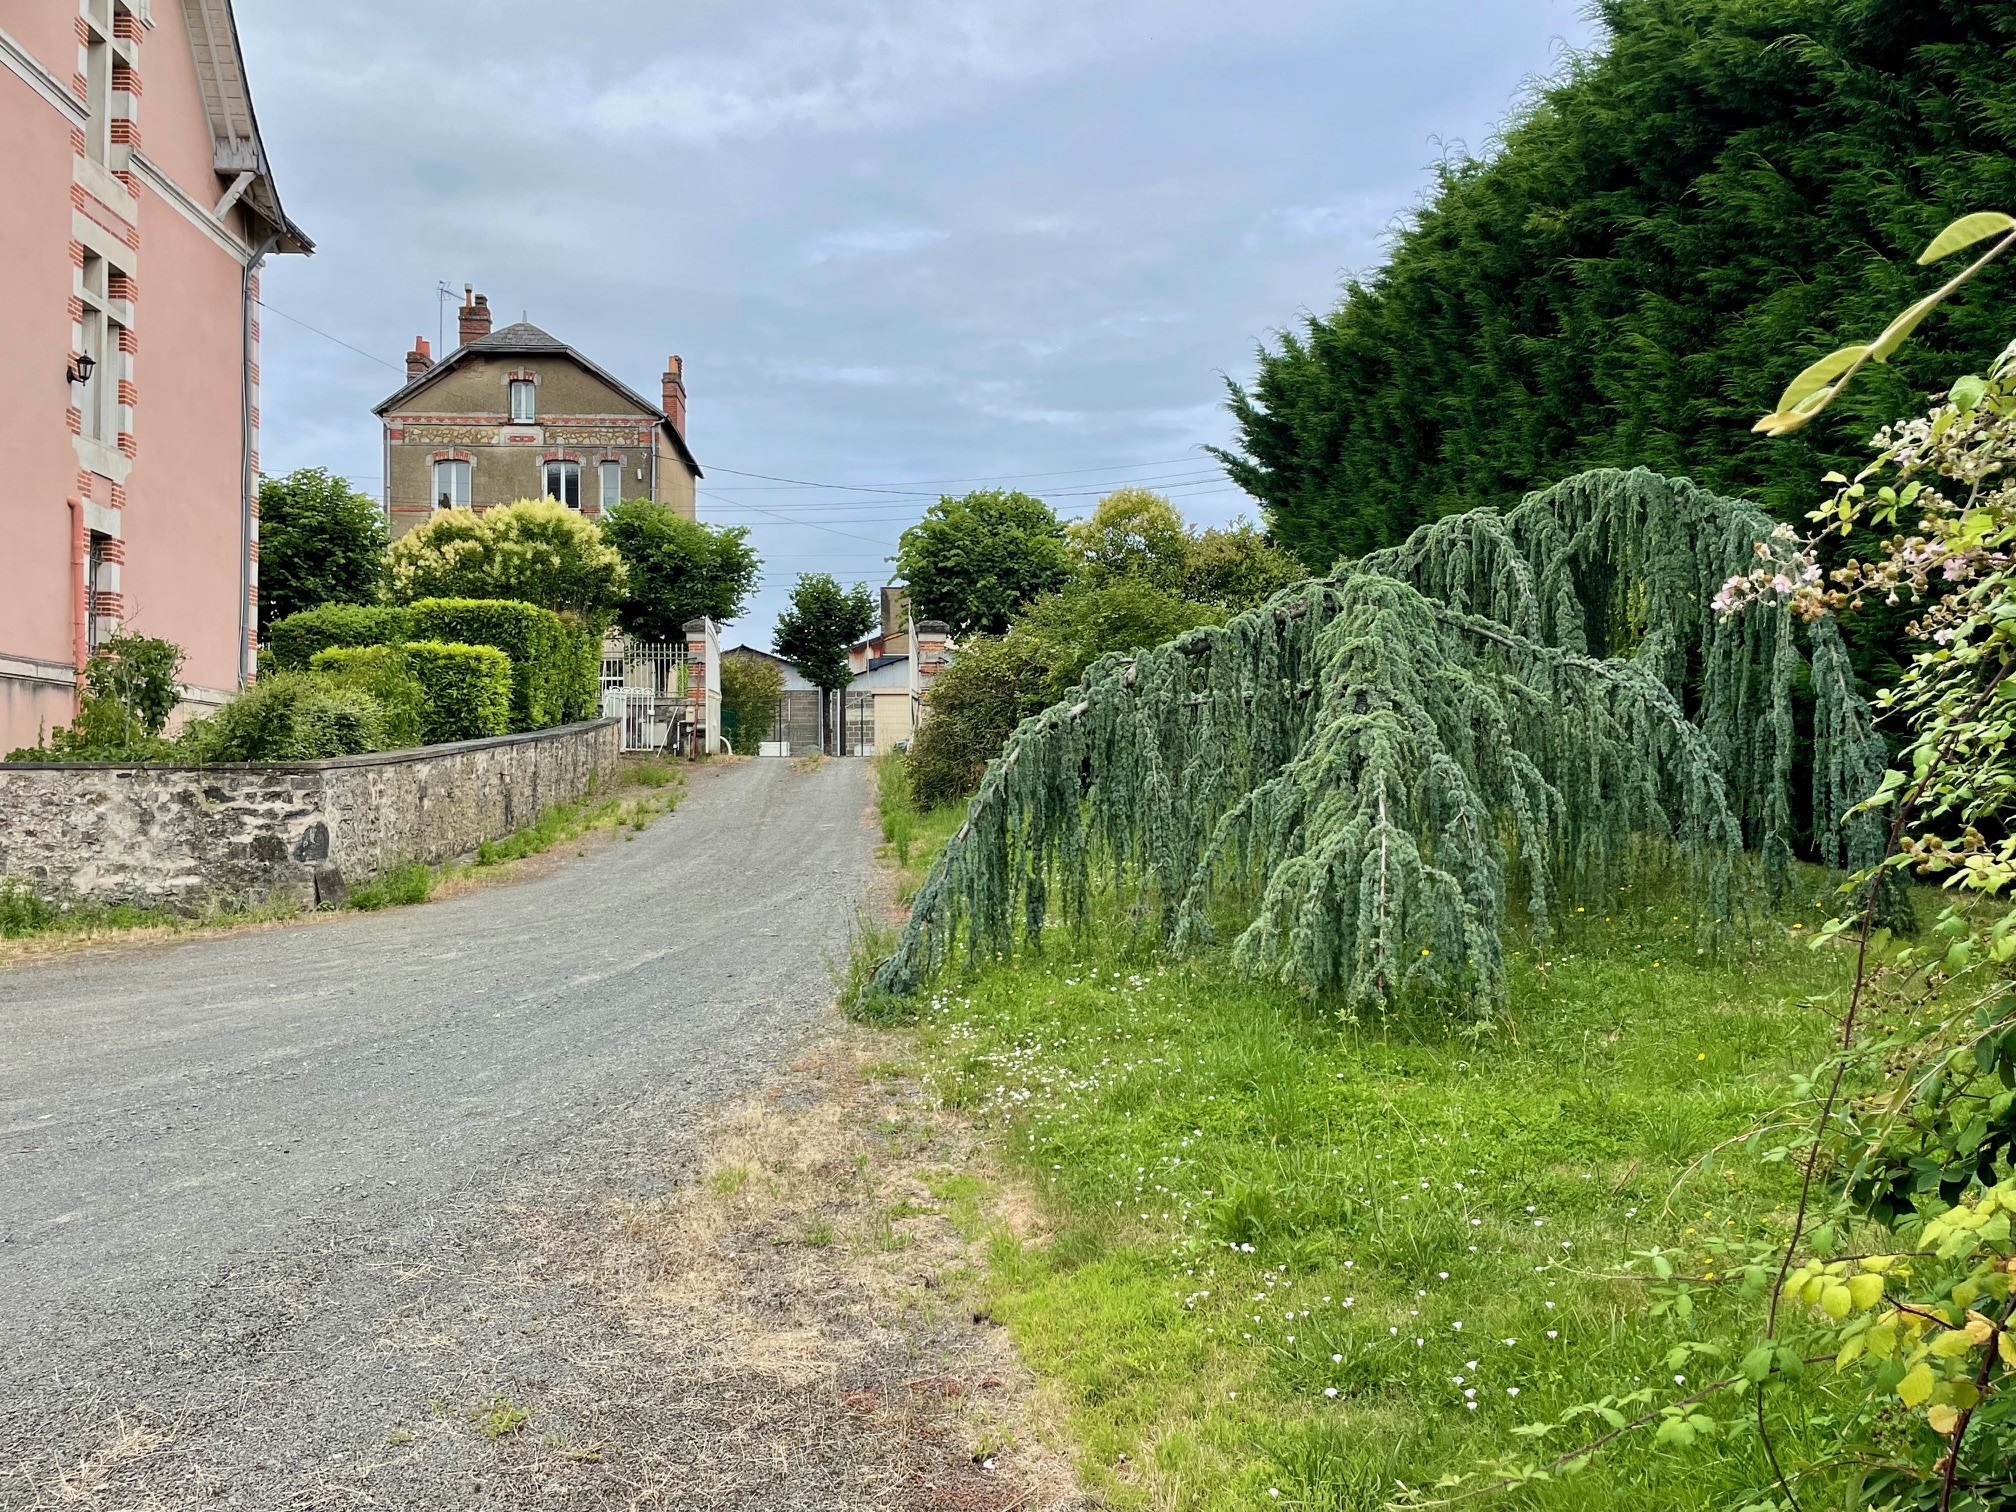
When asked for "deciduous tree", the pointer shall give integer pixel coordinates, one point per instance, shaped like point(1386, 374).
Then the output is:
point(320, 542)
point(973, 561)
point(679, 569)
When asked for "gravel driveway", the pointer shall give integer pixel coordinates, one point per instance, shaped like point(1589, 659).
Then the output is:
point(261, 1196)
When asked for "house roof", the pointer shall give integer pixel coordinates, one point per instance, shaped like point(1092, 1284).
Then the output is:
point(239, 152)
point(523, 338)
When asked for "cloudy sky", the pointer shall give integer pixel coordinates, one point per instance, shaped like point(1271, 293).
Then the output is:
point(909, 246)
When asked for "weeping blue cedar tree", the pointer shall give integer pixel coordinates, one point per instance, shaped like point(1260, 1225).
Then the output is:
point(1369, 768)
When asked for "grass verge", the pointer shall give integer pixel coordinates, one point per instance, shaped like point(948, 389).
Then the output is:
point(1295, 1262)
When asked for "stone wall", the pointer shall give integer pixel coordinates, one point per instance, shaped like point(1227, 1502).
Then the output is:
point(195, 838)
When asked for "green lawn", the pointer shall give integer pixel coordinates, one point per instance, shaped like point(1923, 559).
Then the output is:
point(1302, 1263)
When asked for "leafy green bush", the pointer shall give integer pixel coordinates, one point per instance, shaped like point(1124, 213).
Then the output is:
point(581, 697)
point(130, 690)
point(973, 706)
point(297, 638)
point(546, 656)
point(383, 672)
point(537, 551)
point(752, 691)
point(290, 716)
point(467, 688)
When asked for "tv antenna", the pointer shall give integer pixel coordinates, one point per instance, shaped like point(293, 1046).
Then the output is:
point(442, 294)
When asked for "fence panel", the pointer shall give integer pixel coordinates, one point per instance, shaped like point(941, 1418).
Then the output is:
point(645, 684)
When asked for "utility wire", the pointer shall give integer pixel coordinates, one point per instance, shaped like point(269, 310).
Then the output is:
point(327, 337)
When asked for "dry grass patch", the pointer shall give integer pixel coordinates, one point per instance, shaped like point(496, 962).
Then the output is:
point(816, 1286)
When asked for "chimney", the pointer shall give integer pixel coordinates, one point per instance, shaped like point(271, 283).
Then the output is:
point(419, 359)
point(474, 315)
point(674, 381)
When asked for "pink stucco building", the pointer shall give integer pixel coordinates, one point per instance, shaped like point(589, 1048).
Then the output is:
point(138, 209)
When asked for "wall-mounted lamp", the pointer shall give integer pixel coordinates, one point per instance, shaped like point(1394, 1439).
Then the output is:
point(82, 366)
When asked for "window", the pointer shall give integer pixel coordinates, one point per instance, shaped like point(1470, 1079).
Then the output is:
point(94, 568)
point(612, 485)
point(98, 84)
point(451, 485)
point(563, 482)
point(98, 394)
point(522, 408)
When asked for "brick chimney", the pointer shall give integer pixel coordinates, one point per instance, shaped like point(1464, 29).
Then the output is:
point(474, 315)
point(419, 359)
point(674, 381)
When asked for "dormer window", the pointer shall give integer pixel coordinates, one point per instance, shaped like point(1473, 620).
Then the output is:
point(563, 482)
point(523, 410)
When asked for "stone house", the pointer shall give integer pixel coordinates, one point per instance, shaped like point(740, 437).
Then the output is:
point(129, 327)
point(517, 414)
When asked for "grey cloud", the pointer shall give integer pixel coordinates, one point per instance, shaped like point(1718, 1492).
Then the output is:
point(894, 240)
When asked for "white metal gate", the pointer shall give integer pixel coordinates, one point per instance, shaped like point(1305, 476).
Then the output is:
point(646, 685)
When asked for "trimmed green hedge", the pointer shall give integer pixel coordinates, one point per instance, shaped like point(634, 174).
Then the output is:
point(546, 658)
point(290, 716)
point(295, 639)
point(386, 674)
point(467, 689)
point(583, 695)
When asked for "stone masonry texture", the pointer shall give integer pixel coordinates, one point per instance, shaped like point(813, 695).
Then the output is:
point(190, 839)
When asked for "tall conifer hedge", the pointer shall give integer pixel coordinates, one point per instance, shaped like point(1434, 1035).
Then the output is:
point(1628, 276)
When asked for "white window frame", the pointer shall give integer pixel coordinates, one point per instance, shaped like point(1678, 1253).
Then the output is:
point(610, 497)
point(97, 402)
point(526, 389)
point(98, 60)
point(561, 475)
point(453, 470)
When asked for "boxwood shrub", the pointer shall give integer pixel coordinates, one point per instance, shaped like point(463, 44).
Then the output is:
point(290, 716)
point(545, 657)
point(467, 689)
point(295, 639)
point(385, 673)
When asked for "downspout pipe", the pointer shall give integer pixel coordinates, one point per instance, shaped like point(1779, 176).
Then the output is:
point(80, 596)
point(252, 266)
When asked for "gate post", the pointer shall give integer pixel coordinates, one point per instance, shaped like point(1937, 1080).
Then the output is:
point(703, 682)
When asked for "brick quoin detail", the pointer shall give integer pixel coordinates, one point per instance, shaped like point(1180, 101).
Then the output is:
point(122, 286)
point(126, 131)
point(83, 33)
point(255, 549)
point(77, 196)
point(127, 393)
point(128, 341)
point(125, 80)
point(114, 550)
point(76, 254)
point(74, 418)
point(126, 27)
point(84, 476)
point(118, 494)
point(76, 309)
point(127, 444)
